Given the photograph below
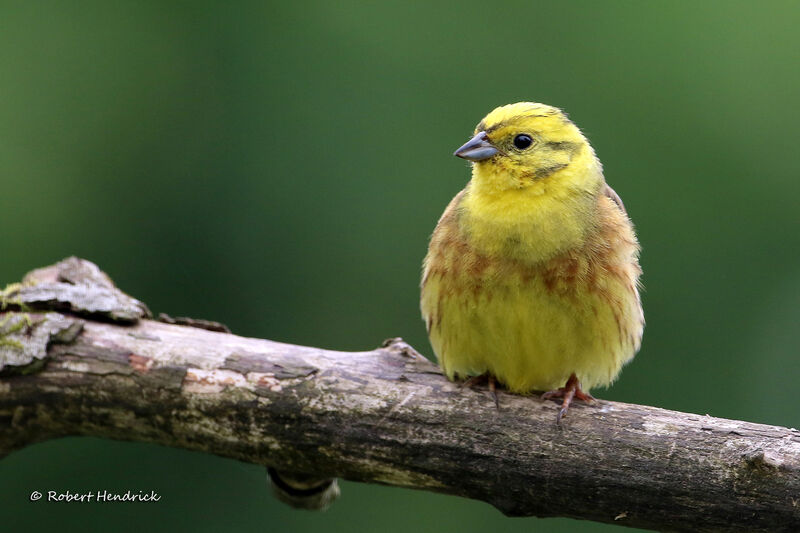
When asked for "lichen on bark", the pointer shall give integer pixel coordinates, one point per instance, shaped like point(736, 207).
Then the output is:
point(24, 338)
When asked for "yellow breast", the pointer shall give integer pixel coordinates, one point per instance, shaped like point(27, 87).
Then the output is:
point(533, 301)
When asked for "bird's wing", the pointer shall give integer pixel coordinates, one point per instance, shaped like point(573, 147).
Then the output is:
point(612, 194)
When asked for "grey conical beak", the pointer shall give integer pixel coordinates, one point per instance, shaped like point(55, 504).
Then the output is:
point(477, 149)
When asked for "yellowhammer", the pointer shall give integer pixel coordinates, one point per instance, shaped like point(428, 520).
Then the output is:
point(532, 271)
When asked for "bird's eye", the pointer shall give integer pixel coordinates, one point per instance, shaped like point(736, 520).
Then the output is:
point(522, 141)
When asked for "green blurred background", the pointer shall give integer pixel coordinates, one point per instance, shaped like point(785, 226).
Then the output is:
point(280, 166)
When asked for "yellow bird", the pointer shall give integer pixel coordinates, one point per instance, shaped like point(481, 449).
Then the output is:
point(532, 272)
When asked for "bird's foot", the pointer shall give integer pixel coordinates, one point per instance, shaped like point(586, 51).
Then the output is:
point(490, 380)
point(572, 390)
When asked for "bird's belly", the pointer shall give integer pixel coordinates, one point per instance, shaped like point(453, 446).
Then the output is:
point(532, 336)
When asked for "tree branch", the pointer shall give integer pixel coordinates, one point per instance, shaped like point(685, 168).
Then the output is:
point(78, 357)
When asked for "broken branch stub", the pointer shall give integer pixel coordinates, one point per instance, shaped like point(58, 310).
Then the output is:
point(76, 286)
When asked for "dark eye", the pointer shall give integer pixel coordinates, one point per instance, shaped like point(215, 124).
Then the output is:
point(522, 141)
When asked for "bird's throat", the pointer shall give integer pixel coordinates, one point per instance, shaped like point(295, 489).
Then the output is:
point(531, 224)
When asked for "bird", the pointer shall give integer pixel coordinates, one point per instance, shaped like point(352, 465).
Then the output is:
point(532, 276)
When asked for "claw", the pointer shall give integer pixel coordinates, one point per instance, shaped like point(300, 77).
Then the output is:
point(491, 382)
point(492, 389)
point(571, 390)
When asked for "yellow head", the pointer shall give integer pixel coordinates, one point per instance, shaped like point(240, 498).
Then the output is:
point(535, 184)
point(523, 145)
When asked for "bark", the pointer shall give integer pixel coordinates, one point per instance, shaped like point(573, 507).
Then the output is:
point(79, 357)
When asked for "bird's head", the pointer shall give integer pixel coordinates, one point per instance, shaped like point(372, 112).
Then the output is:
point(518, 146)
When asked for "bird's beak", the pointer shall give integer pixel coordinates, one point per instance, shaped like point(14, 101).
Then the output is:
point(477, 149)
